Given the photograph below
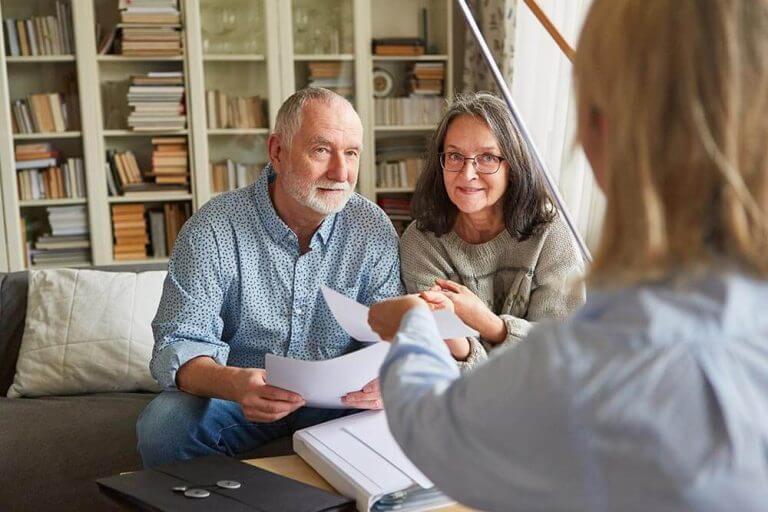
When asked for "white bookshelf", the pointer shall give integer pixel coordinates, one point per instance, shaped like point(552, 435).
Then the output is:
point(259, 59)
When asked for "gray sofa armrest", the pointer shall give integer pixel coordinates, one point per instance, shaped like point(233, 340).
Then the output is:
point(13, 307)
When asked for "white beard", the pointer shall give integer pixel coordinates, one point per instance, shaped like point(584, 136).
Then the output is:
point(306, 193)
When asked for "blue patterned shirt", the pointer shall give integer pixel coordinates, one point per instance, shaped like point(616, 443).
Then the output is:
point(238, 287)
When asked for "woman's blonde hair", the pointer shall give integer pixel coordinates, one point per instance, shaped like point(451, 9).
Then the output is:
point(683, 88)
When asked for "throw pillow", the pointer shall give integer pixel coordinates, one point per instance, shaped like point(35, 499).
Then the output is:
point(87, 331)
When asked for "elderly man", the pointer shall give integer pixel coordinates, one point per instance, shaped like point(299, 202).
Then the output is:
point(244, 280)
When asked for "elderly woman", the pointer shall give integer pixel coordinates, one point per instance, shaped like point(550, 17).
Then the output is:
point(654, 395)
point(486, 236)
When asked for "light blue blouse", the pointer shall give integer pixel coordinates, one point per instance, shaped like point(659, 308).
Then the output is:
point(650, 398)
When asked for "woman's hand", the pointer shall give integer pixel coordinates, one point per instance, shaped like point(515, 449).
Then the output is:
point(473, 311)
point(384, 317)
point(437, 300)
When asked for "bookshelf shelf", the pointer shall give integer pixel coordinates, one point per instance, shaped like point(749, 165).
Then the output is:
point(405, 128)
point(126, 58)
point(394, 190)
point(37, 59)
point(323, 57)
point(238, 131)
point(52, 135)
point(143, 261)
point(50, 202)
point(72, 265)
point(149, 197)
point(131, 133)
point(393, 58)
point(224, 57)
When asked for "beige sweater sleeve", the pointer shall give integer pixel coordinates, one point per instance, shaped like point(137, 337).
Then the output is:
point(557, 288)
point(421, 265)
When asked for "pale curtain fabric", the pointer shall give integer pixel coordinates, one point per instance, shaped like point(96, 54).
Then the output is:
point(496, 19)
point(543, 92)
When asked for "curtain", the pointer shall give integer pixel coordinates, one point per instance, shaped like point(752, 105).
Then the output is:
point(496, 19)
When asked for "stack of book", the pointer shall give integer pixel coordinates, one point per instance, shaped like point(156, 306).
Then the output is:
point(156, 101)
point(68, 243)
point(174, 217)
point(40, 176)
point(412, 110)
point(399, 211)
point(399, 46)
point(44, 113)
point(230, 175)
point(123, 172)
point(130, 231)
point(170, 162)
point(396, 207)
point(335, 76)
point(427, 78)
point(149, 28)
point(398, 174)
point(226, 111)
point(399, 162)
point(41, 35)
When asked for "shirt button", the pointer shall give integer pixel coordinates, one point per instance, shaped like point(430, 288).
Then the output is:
point(298, 311)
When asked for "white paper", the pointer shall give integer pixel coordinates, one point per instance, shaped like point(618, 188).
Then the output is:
point(353, 318)
point(373, 430)
point(323, 383)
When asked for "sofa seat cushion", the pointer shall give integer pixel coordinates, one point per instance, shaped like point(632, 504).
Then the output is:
point(87, 331)
point(52, 448)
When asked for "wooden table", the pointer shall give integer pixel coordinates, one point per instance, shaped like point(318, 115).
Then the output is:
point(294, 467)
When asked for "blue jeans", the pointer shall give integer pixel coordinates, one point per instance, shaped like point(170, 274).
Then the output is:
point(177, 426)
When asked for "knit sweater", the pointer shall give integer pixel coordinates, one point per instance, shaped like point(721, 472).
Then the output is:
point(522, 282)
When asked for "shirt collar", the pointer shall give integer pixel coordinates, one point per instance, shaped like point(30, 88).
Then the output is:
point(278, 229)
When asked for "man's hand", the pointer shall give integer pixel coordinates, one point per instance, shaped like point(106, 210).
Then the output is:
point(367, 398)
point(437, 300)
point(384, 317)
point(473, 311)
point(260, 402)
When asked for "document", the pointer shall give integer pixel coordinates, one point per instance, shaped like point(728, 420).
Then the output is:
point(359, 457)
point(353, 318)
point(323, 383)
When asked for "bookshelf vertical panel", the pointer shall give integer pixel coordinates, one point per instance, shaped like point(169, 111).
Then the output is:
point(196, 115)
point(93, 145)
point(10, 196)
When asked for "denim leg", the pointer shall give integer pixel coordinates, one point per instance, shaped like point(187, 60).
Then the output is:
point(308, 416)
point(177, 426)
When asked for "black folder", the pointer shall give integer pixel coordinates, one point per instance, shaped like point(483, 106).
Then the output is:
point(261, 490)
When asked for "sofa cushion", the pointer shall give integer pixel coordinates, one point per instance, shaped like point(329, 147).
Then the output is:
point(13, 305)
point(87, 331)
point(53, 448)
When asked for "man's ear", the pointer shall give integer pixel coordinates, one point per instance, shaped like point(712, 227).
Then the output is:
point(275, 150)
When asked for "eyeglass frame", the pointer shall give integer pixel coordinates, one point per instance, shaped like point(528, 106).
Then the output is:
point(441, 154)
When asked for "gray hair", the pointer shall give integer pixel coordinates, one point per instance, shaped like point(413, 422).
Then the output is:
point(290, 114)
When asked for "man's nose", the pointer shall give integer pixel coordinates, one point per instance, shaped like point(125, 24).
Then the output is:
point(338, 168)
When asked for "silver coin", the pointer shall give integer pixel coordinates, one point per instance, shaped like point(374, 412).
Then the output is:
point(228, 484)
point(179, 488)
point(196, 493)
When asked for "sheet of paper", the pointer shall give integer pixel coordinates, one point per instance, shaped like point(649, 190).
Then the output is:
point(323, 383)
point(353, 318)
point(372, 430)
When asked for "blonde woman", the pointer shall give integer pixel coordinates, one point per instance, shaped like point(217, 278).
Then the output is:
point(654, 395)
point(486, 237)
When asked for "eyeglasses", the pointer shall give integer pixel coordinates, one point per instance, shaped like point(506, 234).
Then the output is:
point(484, 163)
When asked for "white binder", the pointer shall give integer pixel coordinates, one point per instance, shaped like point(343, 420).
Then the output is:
point(359, 457)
